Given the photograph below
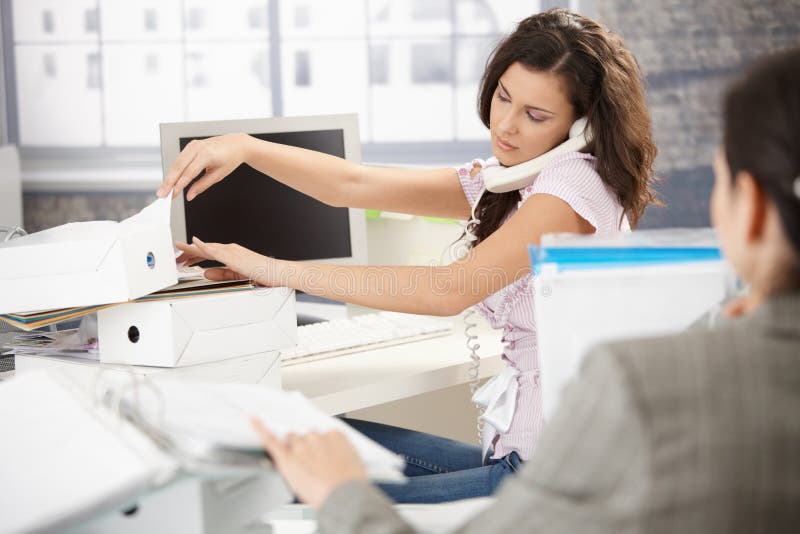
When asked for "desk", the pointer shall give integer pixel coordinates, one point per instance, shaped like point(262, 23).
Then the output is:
point(363, 379)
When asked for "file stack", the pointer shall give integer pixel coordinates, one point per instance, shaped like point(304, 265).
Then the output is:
point(146, 321)
point(589, 289)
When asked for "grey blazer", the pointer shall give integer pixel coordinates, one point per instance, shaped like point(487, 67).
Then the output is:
point(697, 432)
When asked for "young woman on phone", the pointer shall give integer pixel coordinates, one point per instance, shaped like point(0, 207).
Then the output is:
point(555, 68)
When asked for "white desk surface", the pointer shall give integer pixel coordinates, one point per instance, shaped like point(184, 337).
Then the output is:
point(364, 379)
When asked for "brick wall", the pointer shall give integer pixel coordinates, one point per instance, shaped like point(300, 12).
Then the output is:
point(45, 210)
point(690, 51)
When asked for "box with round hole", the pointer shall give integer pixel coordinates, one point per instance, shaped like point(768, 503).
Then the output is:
point(199, 329)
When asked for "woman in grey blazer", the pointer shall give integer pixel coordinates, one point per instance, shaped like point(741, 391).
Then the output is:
point(697, 432)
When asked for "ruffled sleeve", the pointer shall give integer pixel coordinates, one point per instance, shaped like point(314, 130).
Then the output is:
point(573, 178)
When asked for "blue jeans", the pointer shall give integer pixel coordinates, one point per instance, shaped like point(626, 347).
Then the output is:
point(439, 469)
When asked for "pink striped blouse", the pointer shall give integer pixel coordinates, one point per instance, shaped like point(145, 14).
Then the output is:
point(573, 178)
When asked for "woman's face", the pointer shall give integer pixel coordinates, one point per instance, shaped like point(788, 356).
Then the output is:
point(530, 114)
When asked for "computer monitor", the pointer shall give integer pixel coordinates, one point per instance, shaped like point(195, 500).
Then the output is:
point(261, 214)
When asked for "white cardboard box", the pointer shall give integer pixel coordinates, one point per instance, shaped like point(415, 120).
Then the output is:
point(251, 369)
point(89, 263)
point(201, 329)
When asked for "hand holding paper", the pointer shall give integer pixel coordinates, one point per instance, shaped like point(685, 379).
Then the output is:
point(222, 413)
point(313, 464)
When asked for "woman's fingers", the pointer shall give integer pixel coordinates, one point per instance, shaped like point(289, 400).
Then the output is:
point(192, 171)
point(187, 249)
point(178, 167)
point(187, 260)
point(205, 182)
point(195, 252)
point(238, 262)
point(275, 447)
point(222, 274)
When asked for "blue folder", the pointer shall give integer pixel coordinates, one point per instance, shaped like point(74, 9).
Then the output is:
point(573, 259)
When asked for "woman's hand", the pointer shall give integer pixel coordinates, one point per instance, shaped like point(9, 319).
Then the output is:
point(743, 305)
point(240, 263)
point(217, 156)
point(315, 464)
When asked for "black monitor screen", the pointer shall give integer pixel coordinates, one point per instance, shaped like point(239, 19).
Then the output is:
point(268, 217)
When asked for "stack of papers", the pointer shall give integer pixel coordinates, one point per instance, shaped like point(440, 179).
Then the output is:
point(66, 343)
point(76, 269)
point(37, 319)
point(205, 421)
point(189, 287)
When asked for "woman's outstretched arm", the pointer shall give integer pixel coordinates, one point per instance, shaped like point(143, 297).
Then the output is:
point(430, 290)
point(329, 179)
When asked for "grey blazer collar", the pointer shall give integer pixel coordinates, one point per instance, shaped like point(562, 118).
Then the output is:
point(780, 313)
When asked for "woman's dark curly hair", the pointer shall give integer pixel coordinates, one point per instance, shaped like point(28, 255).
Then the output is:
point(604, 84)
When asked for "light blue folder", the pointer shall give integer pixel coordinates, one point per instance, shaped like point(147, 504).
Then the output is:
point(583, 258)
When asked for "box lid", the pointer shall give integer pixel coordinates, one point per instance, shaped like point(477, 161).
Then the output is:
point(89, 263)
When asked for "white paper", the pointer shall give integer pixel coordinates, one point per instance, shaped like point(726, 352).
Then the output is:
point(221, 414)
point(156, 214)
point(661, 237)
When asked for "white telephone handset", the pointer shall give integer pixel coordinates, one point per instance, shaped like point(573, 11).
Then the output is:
point(499, 179)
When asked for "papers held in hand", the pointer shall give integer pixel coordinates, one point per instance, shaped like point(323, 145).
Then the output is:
point(208, 424)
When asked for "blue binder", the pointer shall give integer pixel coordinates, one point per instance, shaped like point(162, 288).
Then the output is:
point(573, 259)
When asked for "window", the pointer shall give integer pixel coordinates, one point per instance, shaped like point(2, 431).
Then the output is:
point(430, 63)
point(94, 78)
point(302, 16)
point(379, 64)
point(430, 9)
point(302, 69)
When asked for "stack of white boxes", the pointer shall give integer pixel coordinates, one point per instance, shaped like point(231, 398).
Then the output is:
point(231, 336)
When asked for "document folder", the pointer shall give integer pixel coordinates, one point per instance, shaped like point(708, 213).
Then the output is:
point(596, 288)
point(89, 263)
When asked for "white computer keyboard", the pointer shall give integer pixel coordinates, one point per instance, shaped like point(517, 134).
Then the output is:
point(362, 332)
